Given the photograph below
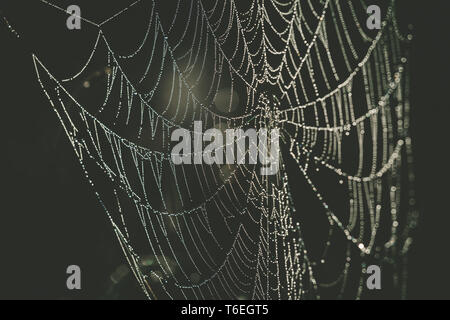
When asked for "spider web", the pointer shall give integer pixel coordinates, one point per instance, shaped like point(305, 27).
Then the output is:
point(343, 198)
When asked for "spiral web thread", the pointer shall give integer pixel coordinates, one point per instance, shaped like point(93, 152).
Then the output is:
point(339, 96)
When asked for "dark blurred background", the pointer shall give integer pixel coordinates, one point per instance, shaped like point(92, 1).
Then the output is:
point(50, 218)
